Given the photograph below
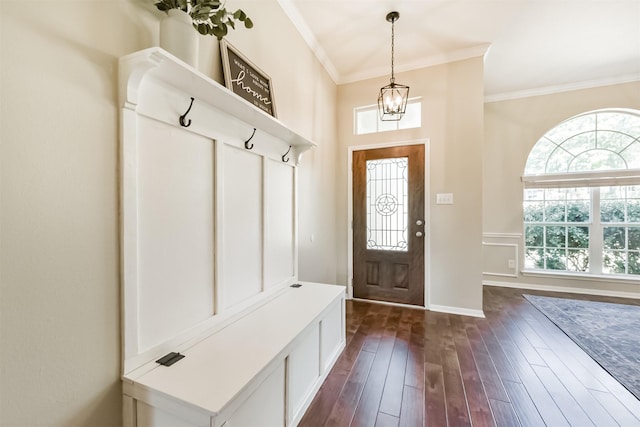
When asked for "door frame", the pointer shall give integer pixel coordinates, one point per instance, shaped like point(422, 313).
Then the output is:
point(427, 211)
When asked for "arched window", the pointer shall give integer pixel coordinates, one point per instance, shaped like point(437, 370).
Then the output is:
point(582, 196)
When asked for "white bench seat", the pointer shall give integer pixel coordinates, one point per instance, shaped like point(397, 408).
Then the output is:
point(219, 373)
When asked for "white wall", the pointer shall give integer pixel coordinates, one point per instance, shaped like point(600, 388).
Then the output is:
point(512, 128)
point(452, 120)
point(59, 247)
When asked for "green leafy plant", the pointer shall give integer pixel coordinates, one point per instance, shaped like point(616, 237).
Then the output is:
point(210, 17)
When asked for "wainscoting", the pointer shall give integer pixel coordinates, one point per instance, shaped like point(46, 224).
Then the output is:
point(501, 254)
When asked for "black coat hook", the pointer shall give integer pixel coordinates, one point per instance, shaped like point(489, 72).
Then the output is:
point(246, 143)
point(183, 122)
point(285, 155)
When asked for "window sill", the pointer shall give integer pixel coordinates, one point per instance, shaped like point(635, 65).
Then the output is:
point(583, 277)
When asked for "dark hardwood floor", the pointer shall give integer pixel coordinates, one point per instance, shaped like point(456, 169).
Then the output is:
point(409, 367)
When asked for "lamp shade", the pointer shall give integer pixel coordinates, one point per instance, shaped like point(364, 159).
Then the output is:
point(392, 101)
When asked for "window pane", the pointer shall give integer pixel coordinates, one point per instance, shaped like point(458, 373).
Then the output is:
point(533, 212)
point(632, 155)
point(555, 237)
point(571, 127)
point(387, 204)
point(533, 194)
point(579, 143)
point(633, 210)
point(555, 194)
point(634, 262)
point(612, 211)
point(537, 160)
point(613, 141)
point(555, 259)
point(613, 237)
point(554, 212)
point(608, 120)
point(578, 260)
point(559, 162)
point(609, 193)
point(387, 125)
point(614, 262)
point(578, 212)
point(634, 238)
point(534, 236)
point(597, 160)
point(366, 121)
point(533, 258)
point(578, 237)
point(412, 117)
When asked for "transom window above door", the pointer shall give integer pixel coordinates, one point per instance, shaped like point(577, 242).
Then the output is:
point(367, 119)
point(582, 196)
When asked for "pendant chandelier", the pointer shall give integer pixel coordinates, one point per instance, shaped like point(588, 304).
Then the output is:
point(392, 101)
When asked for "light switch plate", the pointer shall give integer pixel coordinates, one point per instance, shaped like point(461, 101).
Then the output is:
point(444, 198)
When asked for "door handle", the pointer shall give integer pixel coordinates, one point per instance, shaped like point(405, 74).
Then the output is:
point(419, 222)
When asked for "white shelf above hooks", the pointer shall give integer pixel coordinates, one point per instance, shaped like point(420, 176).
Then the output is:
point(156, 64)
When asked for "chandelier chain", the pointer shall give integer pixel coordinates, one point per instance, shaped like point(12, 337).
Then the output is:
point(393, 79)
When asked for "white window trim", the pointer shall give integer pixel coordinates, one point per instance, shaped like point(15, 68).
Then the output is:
point(372, 107)
point(584, 179)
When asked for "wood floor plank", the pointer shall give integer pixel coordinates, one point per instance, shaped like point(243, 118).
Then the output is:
point(412, 413)
point(435, 406)
point(343, 411)
point(504, 414)
point(523, 406)
point(455, 397)
point(386, 420)
point(486, 368)
point(369, 405)
point(414, 374)
point(477, 401)
point(503, 365)
point(539, 394)
point(376, 317)
point(391, 401)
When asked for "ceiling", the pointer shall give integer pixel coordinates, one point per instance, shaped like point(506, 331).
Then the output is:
point(531, 46)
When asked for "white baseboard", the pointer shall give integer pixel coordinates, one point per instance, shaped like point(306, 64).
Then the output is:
point(598, 292)
point(456, 310)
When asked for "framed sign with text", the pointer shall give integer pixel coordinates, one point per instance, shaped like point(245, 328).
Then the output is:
point(246, 80)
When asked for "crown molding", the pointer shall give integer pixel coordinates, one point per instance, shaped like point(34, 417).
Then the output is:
point(548, 90)
point(294, 15)
point(429, 61)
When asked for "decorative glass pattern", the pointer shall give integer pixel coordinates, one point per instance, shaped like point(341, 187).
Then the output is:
point(387, 204)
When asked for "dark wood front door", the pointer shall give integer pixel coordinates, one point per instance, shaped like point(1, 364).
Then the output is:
point(388, 224)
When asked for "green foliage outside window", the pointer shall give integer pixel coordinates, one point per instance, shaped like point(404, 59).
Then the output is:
point(553, 246)
point(561, 246)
